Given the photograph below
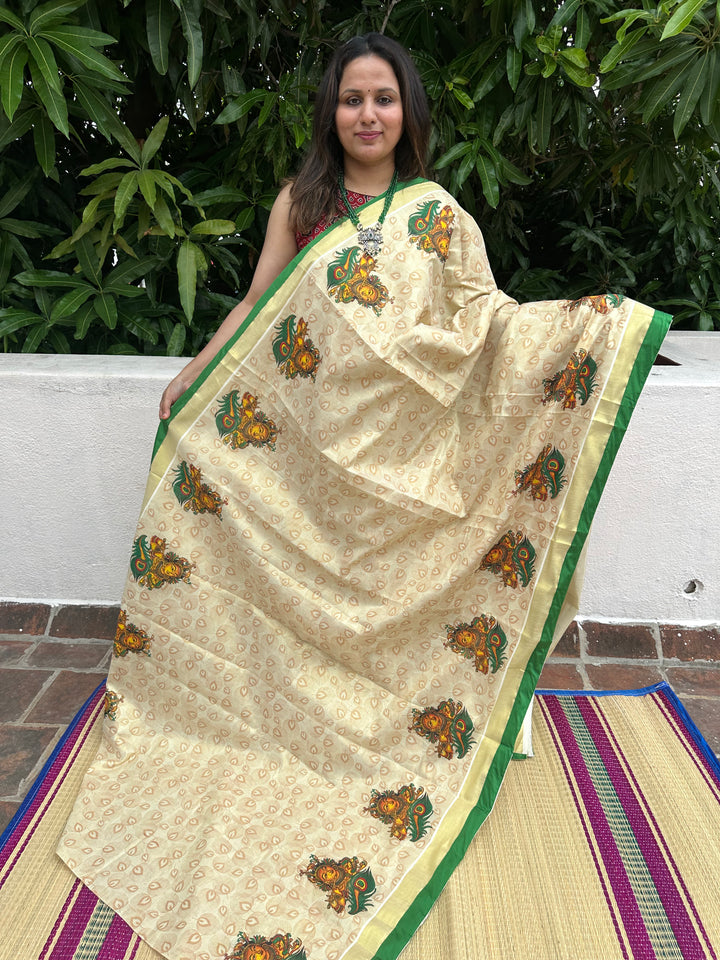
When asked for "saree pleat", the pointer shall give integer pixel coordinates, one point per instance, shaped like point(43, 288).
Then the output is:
point(357, 545)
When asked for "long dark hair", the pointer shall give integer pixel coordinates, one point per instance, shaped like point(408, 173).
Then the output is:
point(314, 191)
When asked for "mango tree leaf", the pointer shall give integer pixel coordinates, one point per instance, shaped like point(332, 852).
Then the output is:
point(513, 66)
point(193, 36)
point(12, 75)
point(177, 340)
point(16, 193)
point(106, 119)
point(456, 151)
point(162, 214)
point(109, 164)
point(660, 93)
point(154, 141)
point(488, 177)
point(240, 106)
point(711, 91)
point(159, 24)
point(54, 103)
point(106, 309)
point(148, 186)
point(43, 56)
point(45, 278)
point(70, 41)
point(544, 115)
point(565, 13)
point(44, 139)
point(215, 228)
point(69, 302)
point(690, 94)
point(187, 268)
point(681, 18)
point(7, 17)
point(49, 13)
point(13, 319)
point(125, 192)
point(621, 50)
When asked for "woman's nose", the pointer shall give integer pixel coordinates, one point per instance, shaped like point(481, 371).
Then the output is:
point(367, 111)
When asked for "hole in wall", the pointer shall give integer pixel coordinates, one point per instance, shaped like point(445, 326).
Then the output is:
point(693, 588)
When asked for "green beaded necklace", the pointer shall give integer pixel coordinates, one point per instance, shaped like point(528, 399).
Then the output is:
point(369, 238)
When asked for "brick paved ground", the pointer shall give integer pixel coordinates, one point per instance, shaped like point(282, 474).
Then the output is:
point(52, 658)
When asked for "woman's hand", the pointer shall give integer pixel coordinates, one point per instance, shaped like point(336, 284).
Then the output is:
point(172, 392)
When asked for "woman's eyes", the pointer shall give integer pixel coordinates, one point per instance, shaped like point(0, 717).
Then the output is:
point(356, 101)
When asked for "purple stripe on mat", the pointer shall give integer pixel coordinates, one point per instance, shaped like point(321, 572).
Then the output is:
point(655, 859)
point(60, 919)
point(633, 922)
point(678, 723)
point(116, 941)
point(50, 786)
point(658, 835)
point(74, 927)
point(582, 820)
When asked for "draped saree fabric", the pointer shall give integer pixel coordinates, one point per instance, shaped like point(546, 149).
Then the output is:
point(357, 542)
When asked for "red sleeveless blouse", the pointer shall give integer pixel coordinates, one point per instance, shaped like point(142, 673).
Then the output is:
point(356, 200)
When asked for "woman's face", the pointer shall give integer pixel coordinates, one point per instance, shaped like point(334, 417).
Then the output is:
point(369, 114)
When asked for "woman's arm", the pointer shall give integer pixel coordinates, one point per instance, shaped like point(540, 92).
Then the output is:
point(277, 252)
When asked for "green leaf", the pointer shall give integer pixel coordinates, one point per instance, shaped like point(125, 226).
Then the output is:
point(187, 267)
point(41, 53)
point(148, 186)
point(463, 98)
point(12, 75)
point(7, 17)
point(104, 165)
point(162, 214)
point(620, 50)
point(177, 340)
point(690, 94)
point(565, 13)
point(69, 41)
point(488, 178)
point(106, 309)
point(489, 80)
point(456, 151)
point(44, 138)
point(36, 337)
point(22, 228)
point(46, 278)
point(544, 115)
point(106, 119)
point(154, 141)
point(513, 66)
point(681, 18)
point(193, 35)
point(663, 90)
point(67, 305)
point(711, 91)
point(215, 228)
point(583, 28)
point(47, 14)
point(216, 195)
point(159, 24)
point(240, 106)
point(244, 219)
point(125, 192)
point(13, 319)
point(53, 102)
point(16, 193)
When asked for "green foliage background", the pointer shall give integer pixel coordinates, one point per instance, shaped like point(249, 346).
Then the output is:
point(142, 143)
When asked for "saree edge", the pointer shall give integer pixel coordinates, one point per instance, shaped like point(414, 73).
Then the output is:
point(400, 935)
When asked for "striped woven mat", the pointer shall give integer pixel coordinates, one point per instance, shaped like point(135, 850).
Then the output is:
point(605, 845)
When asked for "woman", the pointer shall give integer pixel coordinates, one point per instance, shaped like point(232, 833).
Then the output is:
point(356, 548)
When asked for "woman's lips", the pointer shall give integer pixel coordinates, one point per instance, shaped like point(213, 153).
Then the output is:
point(369, 136)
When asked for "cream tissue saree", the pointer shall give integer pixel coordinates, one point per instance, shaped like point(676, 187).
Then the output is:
point(358, 537)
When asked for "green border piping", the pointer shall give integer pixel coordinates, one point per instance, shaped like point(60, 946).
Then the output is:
point(260, 305)
point(400, 936)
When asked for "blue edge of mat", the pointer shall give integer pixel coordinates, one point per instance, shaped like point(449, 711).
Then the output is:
point(661, 687)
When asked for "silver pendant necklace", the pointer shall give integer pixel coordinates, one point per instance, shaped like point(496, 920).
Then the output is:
point(370, 238)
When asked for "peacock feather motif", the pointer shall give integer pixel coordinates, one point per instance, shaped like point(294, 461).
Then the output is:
point(482, 640)
point(448, 725)
point(406, 811)
point(512, 558)
point(431, 228)
point(350, 277)
point(295, 353)
point(347, 882)
point(544, 477)
point(241, 424)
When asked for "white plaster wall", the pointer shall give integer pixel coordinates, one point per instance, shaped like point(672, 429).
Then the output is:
point(77, 432)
